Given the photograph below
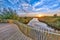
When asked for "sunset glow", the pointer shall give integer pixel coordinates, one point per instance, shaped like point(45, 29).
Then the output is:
point(39, 15)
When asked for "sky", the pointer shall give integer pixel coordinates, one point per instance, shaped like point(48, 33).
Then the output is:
point(31, 6)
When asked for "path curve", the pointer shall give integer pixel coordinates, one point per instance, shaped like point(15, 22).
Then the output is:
point(11, 32)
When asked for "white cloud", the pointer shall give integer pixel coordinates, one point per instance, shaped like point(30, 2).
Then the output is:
point(25, 5)
point(13, 1)
point(38, 3)
point(33, 8)
point(43, 9)
point(46, 8)
point(55, 5)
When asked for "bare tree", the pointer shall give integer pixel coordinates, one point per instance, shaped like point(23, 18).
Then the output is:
point(55, 15)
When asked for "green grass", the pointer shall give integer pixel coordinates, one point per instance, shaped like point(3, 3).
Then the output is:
point(52, 21)
point(24, 20)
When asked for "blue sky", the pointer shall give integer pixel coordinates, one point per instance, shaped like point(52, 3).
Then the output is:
point(31, 5)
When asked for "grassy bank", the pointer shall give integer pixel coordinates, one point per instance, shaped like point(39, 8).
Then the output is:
point(24, 20)
point(52, 21)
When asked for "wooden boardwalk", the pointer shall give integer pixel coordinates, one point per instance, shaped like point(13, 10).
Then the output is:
point(11, 32)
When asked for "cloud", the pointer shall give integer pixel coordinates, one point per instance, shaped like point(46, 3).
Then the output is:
point(42, 9)
point(38, 3)
point(46, 6)
point(13, 1)
point(55, 5)
point(34, 5)
point(26, 7)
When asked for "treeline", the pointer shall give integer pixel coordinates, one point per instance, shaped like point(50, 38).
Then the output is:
point(9, 13)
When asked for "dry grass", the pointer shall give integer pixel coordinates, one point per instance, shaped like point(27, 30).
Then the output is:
point(52, 21)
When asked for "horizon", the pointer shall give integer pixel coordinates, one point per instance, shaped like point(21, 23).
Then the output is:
point(36, 15)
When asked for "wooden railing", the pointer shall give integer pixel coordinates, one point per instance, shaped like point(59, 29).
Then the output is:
point(35, 34)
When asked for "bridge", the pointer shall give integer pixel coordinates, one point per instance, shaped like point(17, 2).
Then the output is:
point(14, 30)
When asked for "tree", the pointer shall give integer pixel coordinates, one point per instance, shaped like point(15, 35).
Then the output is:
point(55, 15)
point(8, 14)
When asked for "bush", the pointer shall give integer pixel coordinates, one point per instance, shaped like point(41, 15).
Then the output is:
point(8, 14)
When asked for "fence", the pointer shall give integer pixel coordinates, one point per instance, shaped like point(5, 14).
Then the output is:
point(36, 34)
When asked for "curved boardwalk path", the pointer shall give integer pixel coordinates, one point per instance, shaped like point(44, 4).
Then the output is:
point(11, 32)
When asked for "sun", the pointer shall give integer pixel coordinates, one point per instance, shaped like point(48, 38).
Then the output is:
point(39, 15)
